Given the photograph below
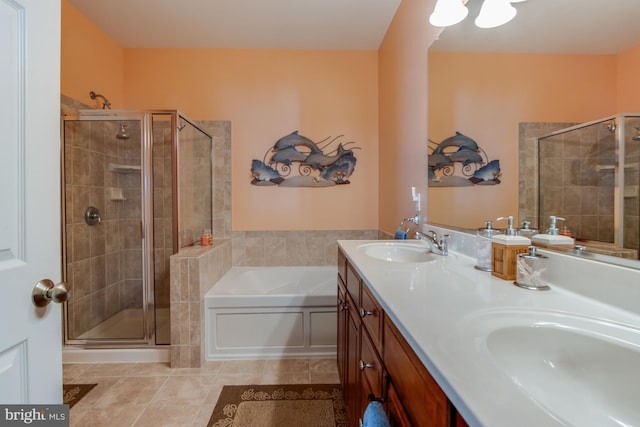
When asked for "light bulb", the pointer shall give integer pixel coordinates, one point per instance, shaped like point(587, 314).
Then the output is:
point(494, 13)
point(448, 12)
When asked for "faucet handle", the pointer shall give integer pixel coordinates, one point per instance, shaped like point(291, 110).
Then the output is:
point(443, 243)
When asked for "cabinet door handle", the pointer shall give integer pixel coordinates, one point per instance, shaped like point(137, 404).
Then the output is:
point(363, 365)
point(364, 312)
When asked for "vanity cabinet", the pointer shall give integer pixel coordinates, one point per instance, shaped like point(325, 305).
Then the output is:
point(375, 361)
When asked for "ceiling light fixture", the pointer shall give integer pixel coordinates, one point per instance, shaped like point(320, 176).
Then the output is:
point(493, 13)
point(448, 12)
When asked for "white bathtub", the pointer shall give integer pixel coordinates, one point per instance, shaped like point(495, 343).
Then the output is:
point(262, 312)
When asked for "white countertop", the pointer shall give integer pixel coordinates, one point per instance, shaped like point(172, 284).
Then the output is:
point(445, 308)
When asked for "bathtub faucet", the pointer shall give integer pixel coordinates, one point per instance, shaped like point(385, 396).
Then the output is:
point(439, 245)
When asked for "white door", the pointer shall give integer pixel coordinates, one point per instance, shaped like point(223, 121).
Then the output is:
point(30, 337)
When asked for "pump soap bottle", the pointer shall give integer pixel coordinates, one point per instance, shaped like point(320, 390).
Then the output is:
point(505, 249)
point(553, 236)
point(483, 246)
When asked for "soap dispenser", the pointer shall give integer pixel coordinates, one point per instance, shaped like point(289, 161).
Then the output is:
point(532, 271)
point(504, 250)
point(553, 236)
point(483, 246)
point(526, 230)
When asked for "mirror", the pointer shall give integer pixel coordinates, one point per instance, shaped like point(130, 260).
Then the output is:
point(563, 102)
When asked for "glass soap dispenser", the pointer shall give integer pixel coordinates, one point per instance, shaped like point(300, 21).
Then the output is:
point(532, 271)
point(483, 246)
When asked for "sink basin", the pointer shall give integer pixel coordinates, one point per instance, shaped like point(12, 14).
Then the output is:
point(398, 252)
point(583, 371)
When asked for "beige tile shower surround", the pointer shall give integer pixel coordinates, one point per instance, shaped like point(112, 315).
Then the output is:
point(153, 394)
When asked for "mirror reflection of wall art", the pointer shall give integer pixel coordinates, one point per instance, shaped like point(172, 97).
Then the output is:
point(458, 161)
point(297, 161)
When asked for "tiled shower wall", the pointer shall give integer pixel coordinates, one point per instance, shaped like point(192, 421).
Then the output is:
point(162, 211)
point(577, 181)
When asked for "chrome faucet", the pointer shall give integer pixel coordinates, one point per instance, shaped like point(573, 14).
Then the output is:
point(439, 245)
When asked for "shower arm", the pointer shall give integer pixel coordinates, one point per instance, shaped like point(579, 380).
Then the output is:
point(105, 102)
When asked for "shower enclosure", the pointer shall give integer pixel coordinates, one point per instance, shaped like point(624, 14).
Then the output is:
point(589, 175)
point(137, 187)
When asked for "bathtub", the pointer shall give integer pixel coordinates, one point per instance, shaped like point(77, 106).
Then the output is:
point(269, 312)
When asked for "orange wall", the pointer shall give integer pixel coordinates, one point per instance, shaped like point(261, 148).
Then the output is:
point(403, 111)
point(90, 61)
point(628, 100)
point(266, 94)
point(486, 96)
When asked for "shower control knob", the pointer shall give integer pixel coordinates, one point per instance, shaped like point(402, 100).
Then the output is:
point(46, 291)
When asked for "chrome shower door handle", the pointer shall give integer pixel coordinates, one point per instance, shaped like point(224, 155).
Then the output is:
point(46, 291)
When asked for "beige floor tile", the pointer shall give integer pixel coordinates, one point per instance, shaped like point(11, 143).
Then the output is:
point(121, 416)
point(207, 368)
point(104, 384)
point(203, 416)
point(110, 370)
point(152, 369)
point(323, 365)
point(75, 415)
point(234, 378)
point(73, 370)
point(163, 414)
point(242, 366)
point(131, 391)
point(324, 378)
point(213, 395)
point(285, 366)
point(187, 389)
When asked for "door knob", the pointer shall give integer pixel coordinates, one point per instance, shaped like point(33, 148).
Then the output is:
point(45, 291)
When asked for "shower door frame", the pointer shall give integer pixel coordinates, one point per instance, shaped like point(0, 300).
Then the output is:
point(147, 257)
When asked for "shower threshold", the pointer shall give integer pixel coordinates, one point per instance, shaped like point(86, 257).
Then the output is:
point(127, 324)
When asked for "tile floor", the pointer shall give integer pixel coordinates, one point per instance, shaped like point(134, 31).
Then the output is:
point(153, 394)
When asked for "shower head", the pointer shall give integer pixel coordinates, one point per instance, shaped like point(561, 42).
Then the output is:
point(122, 133)
point(636, 137)
point(105, 101)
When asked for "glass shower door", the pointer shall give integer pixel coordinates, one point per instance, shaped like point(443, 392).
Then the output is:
point(103, 202)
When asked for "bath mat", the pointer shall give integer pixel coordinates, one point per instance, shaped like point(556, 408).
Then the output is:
point(317, 405)
point(72, 393)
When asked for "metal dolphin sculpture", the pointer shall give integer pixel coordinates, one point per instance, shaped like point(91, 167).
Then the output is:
point(458, 140)
point(294, 140)
point(262, 172)
point(487, 174)
point(466, 156)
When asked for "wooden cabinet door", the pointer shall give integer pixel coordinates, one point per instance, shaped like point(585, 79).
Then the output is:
point(341, 350)
point(395, 411)
point(425, 403)
point(352, 384)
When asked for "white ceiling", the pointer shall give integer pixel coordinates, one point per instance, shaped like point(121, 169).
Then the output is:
point(275, 24)
point(551, 26)
point(560, 26)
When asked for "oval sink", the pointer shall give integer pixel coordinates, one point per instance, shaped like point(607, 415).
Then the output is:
point(584, 376)
point(398, 252)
